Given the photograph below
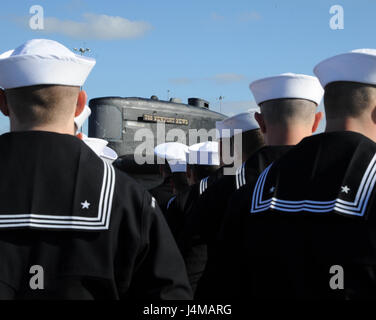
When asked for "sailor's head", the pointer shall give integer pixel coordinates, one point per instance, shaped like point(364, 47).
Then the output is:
point(202, 160)
point(173, 163)
point(288, 104)
point(41, 82)
point(242, 135)
point(349, 80)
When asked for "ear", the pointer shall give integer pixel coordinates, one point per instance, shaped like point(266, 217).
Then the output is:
point(373, 115)
point(318, 117)
point(3, 104)
point(81, 102)
point(260, 120)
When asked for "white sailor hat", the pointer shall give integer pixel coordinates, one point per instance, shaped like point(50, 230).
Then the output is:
point(204, 153)
point(354, 66)
point(43, 62)
point(79, 120)
point(174, 153)
point(287, 85)
point(244, 121)
point(99, 146)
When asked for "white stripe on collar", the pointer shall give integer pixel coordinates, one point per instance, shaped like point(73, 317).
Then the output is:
point(203, 185)
point(356, 207)
point(101, 222)
point(240, 176)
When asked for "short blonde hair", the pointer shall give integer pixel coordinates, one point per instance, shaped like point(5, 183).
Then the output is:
point(288, 111)
point(42, 104)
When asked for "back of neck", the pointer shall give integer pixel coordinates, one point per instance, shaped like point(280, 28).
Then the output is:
point(364, 126)
point(286, 136)
point(57, 128)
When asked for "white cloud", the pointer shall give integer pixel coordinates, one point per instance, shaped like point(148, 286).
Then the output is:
point(226, 78)
point(93, 26)
point(216, 17)
point(180, 81)
point(250, 16)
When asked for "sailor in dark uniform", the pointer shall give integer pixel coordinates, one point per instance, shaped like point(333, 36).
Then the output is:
point(164, 191)
point(286, 117)
point(174, 172)
point(306, 227)
point(203, 159)
point(239, 137)
point(71, 226)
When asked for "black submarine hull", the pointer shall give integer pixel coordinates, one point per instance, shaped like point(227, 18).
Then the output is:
point(118, 120)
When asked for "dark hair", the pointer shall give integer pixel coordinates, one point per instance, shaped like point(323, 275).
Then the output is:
point(165, 168)
point(202, 171)
point(179, 180)
point(252, 140)
point(348, 99)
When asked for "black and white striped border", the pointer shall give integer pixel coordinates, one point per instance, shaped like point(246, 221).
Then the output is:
point(240, 176)
point(357, 207)
point(203, 185)
point(101, 222)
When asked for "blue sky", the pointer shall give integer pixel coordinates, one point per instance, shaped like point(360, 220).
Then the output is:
point(192, 48)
